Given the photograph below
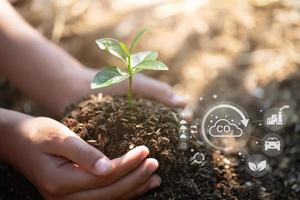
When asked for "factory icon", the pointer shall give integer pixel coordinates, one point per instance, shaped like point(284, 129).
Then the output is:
point(277, 118)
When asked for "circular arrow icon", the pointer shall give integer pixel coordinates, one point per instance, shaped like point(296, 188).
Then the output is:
point(244, 119)
point(225, 126)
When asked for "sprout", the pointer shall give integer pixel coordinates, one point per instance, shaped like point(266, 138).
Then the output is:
point(135, 63)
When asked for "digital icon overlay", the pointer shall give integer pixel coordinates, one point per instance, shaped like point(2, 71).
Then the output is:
point(257, 165)
point(275, 118)
point(225, 126)
point(183, 135)
point(272, 144)
point(198, 159)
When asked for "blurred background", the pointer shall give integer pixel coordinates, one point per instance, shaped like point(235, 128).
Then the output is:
point(228, 48)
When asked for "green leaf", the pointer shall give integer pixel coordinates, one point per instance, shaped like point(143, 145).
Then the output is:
point(137, 58)
point(137, 39)
point(112, 46)
point(124, 47)
point(108, 76)
point(150, 65)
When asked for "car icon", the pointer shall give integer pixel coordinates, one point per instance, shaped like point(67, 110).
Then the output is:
point(272, 143)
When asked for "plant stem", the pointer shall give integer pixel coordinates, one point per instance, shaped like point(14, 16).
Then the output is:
point(130, 82)
point(130, 92)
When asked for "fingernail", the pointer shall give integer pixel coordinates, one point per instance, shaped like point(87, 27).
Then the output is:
point(154, 164)
point(155, 183)
point(143, 148)
point(179, 100)
point(103, 166)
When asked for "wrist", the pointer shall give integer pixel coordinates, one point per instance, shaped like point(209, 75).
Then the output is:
point(78, 86)
point(11, 134)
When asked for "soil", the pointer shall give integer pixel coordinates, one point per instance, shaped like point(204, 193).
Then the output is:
point(114, 128)
point(13, 186)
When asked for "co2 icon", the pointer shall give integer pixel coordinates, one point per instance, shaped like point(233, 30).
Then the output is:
point(225, 126)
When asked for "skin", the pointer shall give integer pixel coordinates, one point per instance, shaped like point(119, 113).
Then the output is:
point(59, 163)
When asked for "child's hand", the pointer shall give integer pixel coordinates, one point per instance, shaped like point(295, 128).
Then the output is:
point(63, 166)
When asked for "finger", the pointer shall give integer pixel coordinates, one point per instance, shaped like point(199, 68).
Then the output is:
point(152, 183)
point(71, 178)
point(160, 91)
point(77, 150)
point(122, 187)
point(128, 162)
point(121, 167)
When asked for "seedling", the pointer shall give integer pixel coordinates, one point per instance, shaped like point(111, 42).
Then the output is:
point(135, 63)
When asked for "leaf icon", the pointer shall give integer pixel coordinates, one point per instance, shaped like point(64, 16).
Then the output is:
point(252, 166)
point(262, 165)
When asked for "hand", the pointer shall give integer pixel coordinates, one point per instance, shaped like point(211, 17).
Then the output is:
point(149, 88)
point(160, 91)
point(62, 166)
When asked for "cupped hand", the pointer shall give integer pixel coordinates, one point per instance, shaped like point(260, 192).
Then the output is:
point(64, 167)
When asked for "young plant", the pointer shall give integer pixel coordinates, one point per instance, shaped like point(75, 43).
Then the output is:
point(135, 62)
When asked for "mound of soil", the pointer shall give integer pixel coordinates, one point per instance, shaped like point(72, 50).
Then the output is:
point(114, 128)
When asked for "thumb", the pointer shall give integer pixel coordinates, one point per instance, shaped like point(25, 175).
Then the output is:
point(84, 155)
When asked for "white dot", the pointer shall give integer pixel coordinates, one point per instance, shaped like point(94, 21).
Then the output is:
point(215, 96)
point(256, 142)
point(201, 99)
point(240, 153)
point(232, 120)
point(216, 117)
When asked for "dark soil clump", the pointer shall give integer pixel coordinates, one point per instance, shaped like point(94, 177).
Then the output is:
point(112, 127)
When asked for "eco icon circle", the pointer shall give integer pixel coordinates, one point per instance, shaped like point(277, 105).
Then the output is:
point(272, 144)
point(275, 118)
point(257, 165)
point(225, 127)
